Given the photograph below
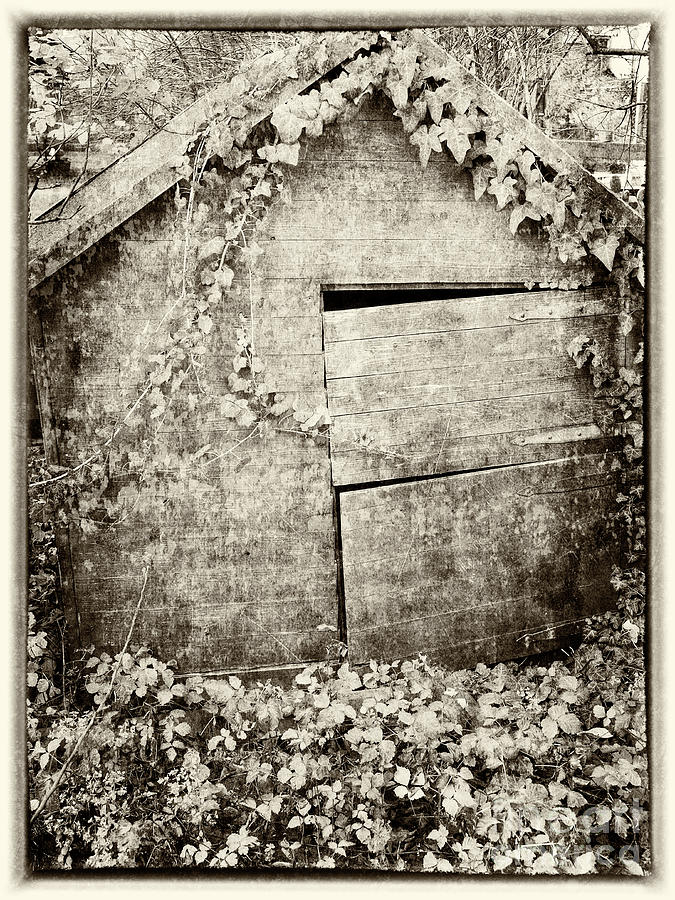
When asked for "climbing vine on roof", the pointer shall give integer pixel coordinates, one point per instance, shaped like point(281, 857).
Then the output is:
point(232, 175)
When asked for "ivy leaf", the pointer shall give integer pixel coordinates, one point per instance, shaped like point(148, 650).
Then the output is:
point(526, 162)
point(289, 126)
point(544, 197)
point(283, 153)
point(158, 402)
point(349, 677)
point(251, 252)
point(549, 727)
point(214, 247)
point(427, 139)
point(502, 151)
point(245, 417)
point(398, 92)
point(505, 191)
point(410, 117)
point(439, 835)
point(314, 127)
point(600, 732)
point(236, 158)
point(436, 101)
point(569, 723)
point(224, 278)
point(545, 865)
point(262, 189)
point(305, 106)
point(633, 867)
point(521, 212)
point(604, 248)
point(332, 96)
point(238, 385)
point(403, 61)
point(559, 213)
point(569, 246)
point(402, 776)
point(460, 99)
point(454, 132)
point(482, 175)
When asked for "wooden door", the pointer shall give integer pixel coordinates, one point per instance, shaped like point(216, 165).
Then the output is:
point(473, 473)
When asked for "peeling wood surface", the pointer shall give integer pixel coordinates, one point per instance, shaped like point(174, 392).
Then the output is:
point(477, 567)
point(461, 383)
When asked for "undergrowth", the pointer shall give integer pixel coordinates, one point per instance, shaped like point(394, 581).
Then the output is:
point(520, 767)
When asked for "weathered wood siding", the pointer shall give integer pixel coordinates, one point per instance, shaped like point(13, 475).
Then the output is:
point(477, 567)
point(242, 550)
point(464, 382)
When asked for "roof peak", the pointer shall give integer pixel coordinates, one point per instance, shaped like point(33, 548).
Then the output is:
point(140, 176)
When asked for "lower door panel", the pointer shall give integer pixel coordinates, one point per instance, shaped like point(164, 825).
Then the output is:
point(479, 566)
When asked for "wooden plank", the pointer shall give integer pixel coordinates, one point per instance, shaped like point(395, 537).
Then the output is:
point(451, 313)
point(456, 259)
point(344, 217)
point(438, 349)
point(454, 384)
point(448, 438)
point(398, 179)
point(464, 567)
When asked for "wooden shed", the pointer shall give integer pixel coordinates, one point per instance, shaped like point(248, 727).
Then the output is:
point(458, 505)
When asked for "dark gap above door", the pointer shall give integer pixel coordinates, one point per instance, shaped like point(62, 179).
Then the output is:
point(366, 297)
point(429, 476)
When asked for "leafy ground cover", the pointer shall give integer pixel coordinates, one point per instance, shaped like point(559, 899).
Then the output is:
point(524, 767)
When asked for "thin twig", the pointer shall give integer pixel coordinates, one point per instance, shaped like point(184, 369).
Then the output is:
point(64, 768)
point(89, 120)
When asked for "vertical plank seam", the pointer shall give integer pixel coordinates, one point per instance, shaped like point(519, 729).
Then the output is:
point(339, 586)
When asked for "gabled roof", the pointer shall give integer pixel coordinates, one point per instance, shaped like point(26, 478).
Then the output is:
point(134, 180)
